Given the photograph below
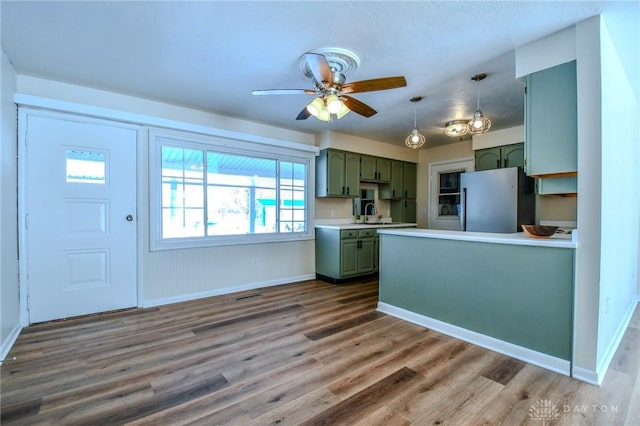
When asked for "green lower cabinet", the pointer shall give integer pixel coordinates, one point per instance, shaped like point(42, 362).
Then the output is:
point(344, 254)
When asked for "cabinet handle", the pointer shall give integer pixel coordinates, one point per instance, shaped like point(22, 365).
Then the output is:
point(505, 163)
point(343, 191)
point(497, 163)
point(347, 190)
point(393, 193)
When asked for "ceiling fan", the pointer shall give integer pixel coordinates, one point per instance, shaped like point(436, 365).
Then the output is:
point(327, 68)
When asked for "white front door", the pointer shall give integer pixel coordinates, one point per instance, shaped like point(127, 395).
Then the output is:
point(80, 216)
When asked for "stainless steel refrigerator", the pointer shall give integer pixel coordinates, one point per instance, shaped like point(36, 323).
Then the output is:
point(497, 200)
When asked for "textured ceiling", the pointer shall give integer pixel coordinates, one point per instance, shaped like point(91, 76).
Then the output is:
point(210, 55)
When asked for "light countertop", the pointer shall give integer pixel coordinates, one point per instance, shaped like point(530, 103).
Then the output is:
point(518, 238)
point(365, 225)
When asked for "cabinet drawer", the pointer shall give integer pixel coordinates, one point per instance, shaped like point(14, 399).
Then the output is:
point(364, 233)
point(348, 234)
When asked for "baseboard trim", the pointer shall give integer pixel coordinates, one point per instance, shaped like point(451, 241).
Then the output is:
point(530, 356)
point(603, 365)
point(9, 341)
point(586, 375)
point(225, 290)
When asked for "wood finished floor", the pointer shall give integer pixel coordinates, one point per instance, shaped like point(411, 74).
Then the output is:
point(307, 353)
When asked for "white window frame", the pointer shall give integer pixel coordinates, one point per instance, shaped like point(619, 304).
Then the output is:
point(157, 138)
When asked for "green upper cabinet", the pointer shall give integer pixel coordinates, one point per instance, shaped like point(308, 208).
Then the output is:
point(337, 174)
point(394, 189)
point(375, 169)
point(352, 174)
point(500, 157)
point(410, 180)
point(551, 124)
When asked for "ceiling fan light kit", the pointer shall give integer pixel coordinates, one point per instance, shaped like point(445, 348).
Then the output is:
point(327, 67)
point(479, 124)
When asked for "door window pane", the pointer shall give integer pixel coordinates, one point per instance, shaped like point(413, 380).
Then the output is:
point(85, 166)
point(449, 194)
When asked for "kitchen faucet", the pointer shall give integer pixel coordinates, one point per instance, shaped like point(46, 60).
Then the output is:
point(366, 216)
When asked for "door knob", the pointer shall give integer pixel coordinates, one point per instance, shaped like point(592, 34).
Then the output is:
point(129, 218)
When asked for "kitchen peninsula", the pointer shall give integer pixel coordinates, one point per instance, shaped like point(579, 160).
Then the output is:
point(507, 292)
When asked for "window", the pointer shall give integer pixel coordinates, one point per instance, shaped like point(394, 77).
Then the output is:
point(85, 166)
point(212, 194)
point(444, 192)
point(449, 194)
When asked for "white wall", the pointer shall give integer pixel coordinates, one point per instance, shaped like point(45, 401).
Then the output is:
point(620, 177)
point(175, 275)
point(9, 286)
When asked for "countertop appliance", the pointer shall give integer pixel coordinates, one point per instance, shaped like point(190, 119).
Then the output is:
point(498, 200)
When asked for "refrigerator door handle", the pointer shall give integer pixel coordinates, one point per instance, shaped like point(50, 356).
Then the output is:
point(463, 210)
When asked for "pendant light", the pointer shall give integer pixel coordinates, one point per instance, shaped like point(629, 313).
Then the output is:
point(415, 139)
point(479, 124)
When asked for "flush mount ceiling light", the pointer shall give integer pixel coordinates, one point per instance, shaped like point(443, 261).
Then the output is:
point(415, 139)
point(456, 128)
point(479, 123)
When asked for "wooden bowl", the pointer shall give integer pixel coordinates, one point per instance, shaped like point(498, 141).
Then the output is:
point(539, 231)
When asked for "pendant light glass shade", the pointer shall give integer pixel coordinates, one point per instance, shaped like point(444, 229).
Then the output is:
point(334, 105)
point(415, 139)
point(343, 111)
point(479, 124)
point(315, 107)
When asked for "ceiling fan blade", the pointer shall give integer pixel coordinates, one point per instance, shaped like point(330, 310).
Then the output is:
point(320, 68)
point(283, 92)
point(304, 114)
point(358, 106)
point(383, 83)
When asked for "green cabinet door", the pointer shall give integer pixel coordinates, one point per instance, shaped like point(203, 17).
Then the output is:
point(352, 174)
point(512, 155)
point(335, 172)
point(367, 167)
point(410, 180)
point(366, 255)
point(348, 257)
point(383, 167)
point(551, 124)
point(488, 158)
point(404, 210)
